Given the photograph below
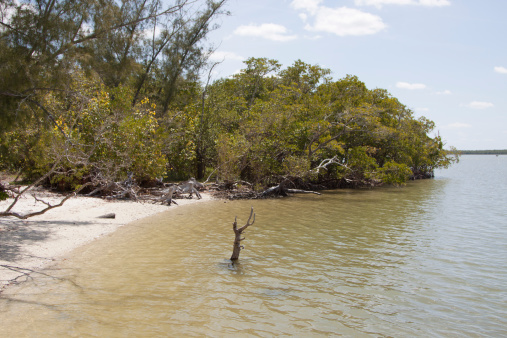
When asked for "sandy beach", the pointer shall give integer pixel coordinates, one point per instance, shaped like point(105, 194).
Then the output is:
point(37, 242)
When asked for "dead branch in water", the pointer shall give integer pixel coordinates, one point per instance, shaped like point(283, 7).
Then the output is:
point(237, 232)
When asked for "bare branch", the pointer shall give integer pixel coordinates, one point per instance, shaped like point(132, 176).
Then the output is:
point(36, 213)
point(248, 222)
point(237, 232)
point(99, 33)
point(48, 207)
point(326, 162)
point(42, 178)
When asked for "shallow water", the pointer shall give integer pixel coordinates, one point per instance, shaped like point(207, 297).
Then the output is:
point(428, 259)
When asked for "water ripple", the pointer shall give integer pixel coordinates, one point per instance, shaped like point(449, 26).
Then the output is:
point(424, 260)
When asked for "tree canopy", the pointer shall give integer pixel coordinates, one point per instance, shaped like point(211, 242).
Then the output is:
point(101, 88)
point(270, 123)
point(152, 46)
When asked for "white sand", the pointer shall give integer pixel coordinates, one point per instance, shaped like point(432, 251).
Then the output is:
point(32, 244)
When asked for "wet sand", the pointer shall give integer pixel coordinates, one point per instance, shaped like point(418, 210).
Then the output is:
point(30, 245)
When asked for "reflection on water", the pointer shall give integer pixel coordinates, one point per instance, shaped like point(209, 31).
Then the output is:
point(424, 260)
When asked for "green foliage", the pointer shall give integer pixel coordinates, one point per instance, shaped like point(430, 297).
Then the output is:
point(3, 196)
point(119, 138)
point(297, 122)
point(84, 91)
point(395, 173)
point(231, 159)
point(180, 144)
point(83, 87)
point(41, 43)
point(96, 132)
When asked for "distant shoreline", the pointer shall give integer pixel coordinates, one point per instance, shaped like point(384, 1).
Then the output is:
point(483, 152)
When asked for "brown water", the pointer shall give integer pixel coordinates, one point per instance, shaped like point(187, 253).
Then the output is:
point(429, 259)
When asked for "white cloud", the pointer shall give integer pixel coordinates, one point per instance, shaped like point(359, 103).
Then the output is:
point(458, 125)
point(313, 37)
point(380, 3)
point(445, 92)
point(311, 6)
point(434, 3)
point(268, 31)
point(410, 86)
point(220, 56)
point(479, 105)
point(501, 70)
point(422, 109)
point(342, 21)
point(303, 17)
point(346, 21)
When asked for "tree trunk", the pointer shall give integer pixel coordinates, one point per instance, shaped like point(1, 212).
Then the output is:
point(237, 239)
point(200, 164)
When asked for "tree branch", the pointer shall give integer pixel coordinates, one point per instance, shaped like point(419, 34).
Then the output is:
point(237, 235)
point(42, 211)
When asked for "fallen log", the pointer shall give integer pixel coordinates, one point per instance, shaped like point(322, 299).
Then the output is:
point(300, 191)
point(278, 190)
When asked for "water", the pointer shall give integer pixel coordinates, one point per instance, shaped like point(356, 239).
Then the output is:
point(428, 259)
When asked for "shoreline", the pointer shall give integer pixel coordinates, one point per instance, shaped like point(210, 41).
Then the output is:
point(30, 245)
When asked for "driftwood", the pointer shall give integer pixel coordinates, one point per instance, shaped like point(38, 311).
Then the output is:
point(126, 189)
point(18, 193)
point(282, 191)
point(48, 207)
point(171, 191)
point(237, 233)
point(167, 196)
point(164, 193)
point(233, 190)
point(191, 187)
point(300, 191)
point(110, 215)
point(103, 187)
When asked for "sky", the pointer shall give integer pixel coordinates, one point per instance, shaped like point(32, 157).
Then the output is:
point(443, 59)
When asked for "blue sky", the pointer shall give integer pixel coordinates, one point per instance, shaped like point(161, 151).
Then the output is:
point(444, 59)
